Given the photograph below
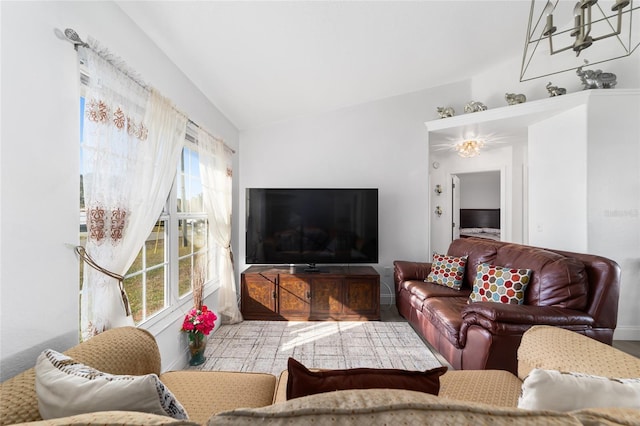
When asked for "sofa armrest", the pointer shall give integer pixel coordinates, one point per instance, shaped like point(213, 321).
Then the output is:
point(124, 350)
point(524, 314)
point(508, 319)
point(405, 271)
point(554, 348)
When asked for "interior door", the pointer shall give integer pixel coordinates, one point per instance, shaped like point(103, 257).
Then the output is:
point(455, 207)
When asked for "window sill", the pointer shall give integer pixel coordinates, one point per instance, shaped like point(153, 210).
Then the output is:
point(169, 316)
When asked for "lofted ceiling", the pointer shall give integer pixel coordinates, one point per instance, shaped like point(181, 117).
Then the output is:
point(263, 62)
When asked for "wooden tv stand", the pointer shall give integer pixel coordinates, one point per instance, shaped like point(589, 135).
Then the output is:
point(287, 293)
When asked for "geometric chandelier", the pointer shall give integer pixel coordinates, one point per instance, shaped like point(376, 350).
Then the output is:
point(564, 35)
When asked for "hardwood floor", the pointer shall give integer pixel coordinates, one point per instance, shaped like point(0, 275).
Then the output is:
point(632, 347)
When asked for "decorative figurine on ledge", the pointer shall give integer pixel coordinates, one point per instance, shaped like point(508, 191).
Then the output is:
point(475, 106)
point(596, 79)
point(513, 99)
point(446, 112)
point(555, 90)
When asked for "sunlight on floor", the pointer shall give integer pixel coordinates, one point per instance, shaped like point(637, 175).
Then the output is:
point(266, 346)
point(314, 331)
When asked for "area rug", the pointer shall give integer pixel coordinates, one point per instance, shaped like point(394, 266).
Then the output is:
point(265, 346)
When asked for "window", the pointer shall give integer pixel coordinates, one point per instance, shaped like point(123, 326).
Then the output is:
point(193, 226)
point(175, 252)
point(146, 280)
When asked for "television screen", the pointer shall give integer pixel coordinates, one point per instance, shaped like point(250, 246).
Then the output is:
point(311, 226)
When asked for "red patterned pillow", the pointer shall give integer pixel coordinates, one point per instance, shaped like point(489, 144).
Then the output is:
point(447, 270)
point(501, 285)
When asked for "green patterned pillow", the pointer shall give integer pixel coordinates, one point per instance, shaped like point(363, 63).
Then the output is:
point(501, 285)
point(447, 270)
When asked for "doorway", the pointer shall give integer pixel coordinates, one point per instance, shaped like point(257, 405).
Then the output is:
point(477, 205)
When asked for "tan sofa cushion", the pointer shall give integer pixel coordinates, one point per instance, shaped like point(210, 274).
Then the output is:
point(204, 393)
point(496, 387)
point(385, 406)
point(554, 348)
point(608, 416)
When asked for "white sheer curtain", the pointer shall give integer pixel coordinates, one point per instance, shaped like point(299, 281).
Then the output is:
point(216, 171)
point(132, 141)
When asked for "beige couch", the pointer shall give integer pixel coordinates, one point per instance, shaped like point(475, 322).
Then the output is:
point(486, 396)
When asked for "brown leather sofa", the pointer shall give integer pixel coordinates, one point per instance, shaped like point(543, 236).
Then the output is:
point(575, 291)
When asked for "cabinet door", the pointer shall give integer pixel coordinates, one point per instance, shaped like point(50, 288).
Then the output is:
point(295, 294)
point(258, 298)
point(326, 298)
point(362, 297)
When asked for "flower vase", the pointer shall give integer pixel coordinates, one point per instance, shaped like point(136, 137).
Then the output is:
point(197, 345)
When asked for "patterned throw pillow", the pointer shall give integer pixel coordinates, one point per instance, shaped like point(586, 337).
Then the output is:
point(501, 285)
point(447, 270)
point(65, 387)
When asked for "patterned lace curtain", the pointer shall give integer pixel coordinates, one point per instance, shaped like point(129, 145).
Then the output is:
point(216, 172)
point(131, 147)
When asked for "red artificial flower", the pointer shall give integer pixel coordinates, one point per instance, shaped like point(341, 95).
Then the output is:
point(199, 321)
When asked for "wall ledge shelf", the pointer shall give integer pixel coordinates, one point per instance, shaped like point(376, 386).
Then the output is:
point(512, 120)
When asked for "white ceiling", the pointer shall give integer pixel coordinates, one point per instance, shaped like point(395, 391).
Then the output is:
point(263, 62)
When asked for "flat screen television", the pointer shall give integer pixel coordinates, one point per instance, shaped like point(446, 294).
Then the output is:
point(311, 226)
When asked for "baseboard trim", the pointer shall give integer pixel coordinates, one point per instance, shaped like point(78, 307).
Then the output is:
point(387, 300)
point(626, 333)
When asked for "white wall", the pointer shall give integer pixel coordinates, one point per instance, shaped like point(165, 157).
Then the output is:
point(586, 196)
point(613, 197)
point(490, 87)
point(558, 182)
point(40, 170)
point(480, 190)
point(377, 145)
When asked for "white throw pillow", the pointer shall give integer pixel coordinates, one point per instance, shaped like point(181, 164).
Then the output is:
point(558, 391)
point(65, 388)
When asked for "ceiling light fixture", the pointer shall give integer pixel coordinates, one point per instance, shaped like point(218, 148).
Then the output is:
point(590, 24)
point(582, 25)
point(469, 148)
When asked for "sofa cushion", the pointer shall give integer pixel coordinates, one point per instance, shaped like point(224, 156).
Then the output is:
point(477, 250)
point(204, 393)
point(556, 280)
point(445, 314)
point(559, 391)
point(65, 387)
point(495, 387)
point(500, 285)
point(120, 418)
point(386, 406)
point(607, 416)
point(424, 290)
point(554, 348)
point(302, 382)
point(447, 270)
